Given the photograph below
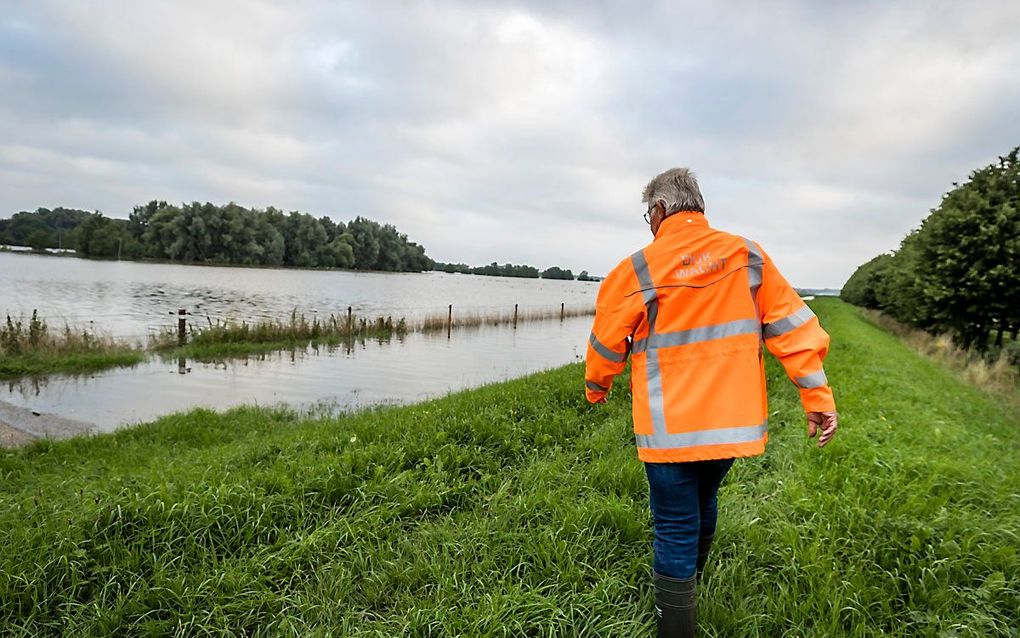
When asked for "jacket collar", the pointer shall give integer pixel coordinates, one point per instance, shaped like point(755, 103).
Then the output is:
point(678, 221)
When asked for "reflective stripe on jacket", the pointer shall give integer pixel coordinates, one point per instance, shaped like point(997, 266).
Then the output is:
point(692, 310)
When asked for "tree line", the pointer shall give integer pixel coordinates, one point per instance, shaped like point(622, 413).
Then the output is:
point(43, 228)
point(512, 270)
point(229, 234)
point(959, 272)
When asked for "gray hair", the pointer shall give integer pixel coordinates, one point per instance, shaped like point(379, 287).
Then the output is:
point(677, 189)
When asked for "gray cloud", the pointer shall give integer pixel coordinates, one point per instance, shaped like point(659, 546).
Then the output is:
point(516, 131)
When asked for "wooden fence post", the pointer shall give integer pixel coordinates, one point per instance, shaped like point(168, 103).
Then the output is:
point(182, 326)
point(449, 321)
point(515, 316)
point(561, 310)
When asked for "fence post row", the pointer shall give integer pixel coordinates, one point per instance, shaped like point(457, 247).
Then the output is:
point(182, 321)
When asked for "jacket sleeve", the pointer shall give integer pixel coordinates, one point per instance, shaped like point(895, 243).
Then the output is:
point(617, 315)
point(794, 336)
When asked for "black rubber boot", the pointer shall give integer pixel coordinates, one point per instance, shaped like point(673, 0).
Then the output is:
point(676, 606)
point(704, 544)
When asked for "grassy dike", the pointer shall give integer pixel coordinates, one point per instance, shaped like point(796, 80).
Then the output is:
point(518, 510)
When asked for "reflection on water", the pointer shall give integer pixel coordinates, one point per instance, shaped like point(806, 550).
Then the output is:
point(344, 346)
point(182, 366)
point(346, 375)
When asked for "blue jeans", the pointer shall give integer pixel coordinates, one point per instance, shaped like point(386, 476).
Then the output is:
point(684, 508)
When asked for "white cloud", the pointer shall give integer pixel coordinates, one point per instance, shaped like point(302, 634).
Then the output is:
point(515, 132)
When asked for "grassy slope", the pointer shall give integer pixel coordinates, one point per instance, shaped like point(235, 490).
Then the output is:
point(516, 509)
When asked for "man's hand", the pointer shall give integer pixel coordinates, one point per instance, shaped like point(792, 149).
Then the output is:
point(827, 421)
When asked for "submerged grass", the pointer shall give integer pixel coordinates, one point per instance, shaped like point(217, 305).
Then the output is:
point(31, 346)
point(438, 322)
point(229, 338)
point(519, 510)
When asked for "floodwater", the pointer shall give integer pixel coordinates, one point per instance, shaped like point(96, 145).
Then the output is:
point(128, 298)
point(133, 299)
point(418, 367)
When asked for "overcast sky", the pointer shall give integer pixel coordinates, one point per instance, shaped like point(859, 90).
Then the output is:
point(514, 131)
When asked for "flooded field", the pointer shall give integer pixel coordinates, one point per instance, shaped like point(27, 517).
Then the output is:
point(127, 299)
point(131, 299)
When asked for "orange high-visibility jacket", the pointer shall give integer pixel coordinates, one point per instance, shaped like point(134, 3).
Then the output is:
point(691, 310)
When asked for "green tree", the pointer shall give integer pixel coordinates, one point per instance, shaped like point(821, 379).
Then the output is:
point(968, 255)
point(339, 253)
point(140, 215)
point(159, 236)
point(39, 239)
point(866, 287)
point(960, 271)
point(59, 223)
point(89, 233)
point(555, 272)
point(364, 233)
point(207, 233)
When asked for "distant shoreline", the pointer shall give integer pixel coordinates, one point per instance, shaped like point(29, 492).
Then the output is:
point(212, 264)
point(5, 250)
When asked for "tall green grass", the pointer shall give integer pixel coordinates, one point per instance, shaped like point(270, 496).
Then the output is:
point(224, 338)
point(437, 322)
point(32, 346)
point(519, 510)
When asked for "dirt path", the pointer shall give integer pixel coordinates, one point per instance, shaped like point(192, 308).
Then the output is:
point(19, 426)
point(11, 437)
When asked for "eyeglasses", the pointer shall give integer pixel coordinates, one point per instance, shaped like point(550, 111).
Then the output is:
point(648, 214)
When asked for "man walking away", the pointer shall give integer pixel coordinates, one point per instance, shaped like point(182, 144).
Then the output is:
point(692, 310)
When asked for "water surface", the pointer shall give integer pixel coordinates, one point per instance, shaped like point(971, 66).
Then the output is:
point(418, 367)
point(129, 299)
